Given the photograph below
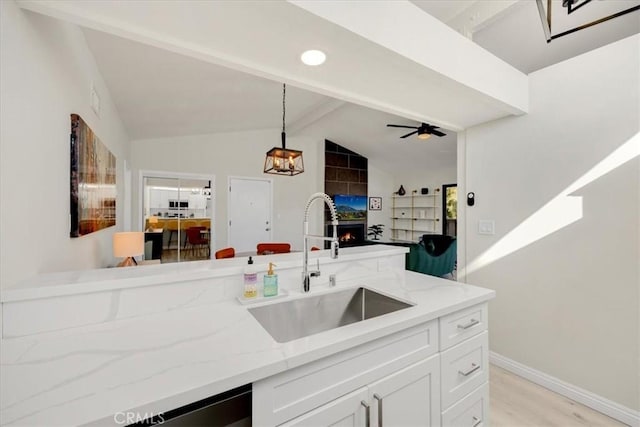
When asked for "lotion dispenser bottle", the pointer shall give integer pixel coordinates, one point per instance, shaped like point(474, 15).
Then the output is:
point(270, 282)
point(250, 280)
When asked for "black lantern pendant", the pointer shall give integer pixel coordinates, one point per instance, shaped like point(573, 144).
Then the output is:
point(281, 160)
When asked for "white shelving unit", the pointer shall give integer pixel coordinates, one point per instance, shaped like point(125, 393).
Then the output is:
point(414, 215)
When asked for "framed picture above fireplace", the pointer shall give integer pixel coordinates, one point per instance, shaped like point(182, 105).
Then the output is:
point(351, 208)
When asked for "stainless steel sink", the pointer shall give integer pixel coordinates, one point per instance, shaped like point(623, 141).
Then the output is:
point(289, 320)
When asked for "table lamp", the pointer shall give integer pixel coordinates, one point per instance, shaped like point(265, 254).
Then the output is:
point(153, 222)
point(127, 245)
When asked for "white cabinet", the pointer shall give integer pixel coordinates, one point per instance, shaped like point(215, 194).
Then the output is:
point(414, 215)
point(464, 365)
point(350, 410)
point(410, 378)
point(471, 411)
point(409, 397)
point(158, 199)
point(461, 325)
point(464, 368)
point(378, 365)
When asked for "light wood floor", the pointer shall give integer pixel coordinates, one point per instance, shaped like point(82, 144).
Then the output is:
point(516, 402)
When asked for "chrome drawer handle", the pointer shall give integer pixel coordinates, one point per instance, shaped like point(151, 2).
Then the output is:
point(474, 368)
point(476, 422)
point(379, 399)
point(473, 322)
point(367, 413)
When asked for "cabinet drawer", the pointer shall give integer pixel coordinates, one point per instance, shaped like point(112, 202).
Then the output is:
point(471, 411)
point(294, 392)
point(457, 327)
point(464, 368)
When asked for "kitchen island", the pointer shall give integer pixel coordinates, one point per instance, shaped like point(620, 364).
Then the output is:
point(80, 347)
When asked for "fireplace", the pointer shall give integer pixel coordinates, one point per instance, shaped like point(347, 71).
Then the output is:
point(348, 234)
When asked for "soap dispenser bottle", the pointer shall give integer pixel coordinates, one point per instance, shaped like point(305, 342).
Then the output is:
point(250, 280)
point(270, 282)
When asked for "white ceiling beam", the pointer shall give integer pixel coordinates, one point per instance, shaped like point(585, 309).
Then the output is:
point(479, 15)
point(416, 35)
point(426, 74)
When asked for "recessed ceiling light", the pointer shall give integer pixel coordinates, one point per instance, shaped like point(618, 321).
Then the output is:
point(313, 57)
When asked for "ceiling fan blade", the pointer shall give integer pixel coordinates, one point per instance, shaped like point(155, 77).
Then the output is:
point(401, 126)
point(409, 134)
point(437, 133)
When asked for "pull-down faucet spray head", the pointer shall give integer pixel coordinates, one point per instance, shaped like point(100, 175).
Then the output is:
point(334, 239)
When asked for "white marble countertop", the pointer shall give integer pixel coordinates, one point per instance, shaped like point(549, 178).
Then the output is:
point(104, 279)
point(158, 362)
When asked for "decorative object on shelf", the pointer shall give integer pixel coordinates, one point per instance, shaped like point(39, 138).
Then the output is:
point(375, 203)
point(375, 231)
point(93, 181)
point(424, 131)
point(283, 161)
point(127, 245)
point(607, 11)
point(401, 191)
point(424, 191)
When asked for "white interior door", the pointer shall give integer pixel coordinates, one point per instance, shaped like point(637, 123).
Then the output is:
point(250, 215)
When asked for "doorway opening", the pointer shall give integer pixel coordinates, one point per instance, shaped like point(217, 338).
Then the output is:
point(177, 216)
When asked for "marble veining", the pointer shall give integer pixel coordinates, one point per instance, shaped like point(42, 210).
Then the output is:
point(191, 350)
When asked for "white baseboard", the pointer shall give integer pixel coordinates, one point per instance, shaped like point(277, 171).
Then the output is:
point(587, 398)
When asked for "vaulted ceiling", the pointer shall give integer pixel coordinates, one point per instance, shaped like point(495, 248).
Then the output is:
point(165, 93)
point(512, 29)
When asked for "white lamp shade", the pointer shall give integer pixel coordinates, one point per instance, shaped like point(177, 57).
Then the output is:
point(128, 244)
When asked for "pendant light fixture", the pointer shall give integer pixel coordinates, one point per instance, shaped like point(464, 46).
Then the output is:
point(281, 160)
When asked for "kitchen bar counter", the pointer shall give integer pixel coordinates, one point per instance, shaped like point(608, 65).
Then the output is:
point(158, 361)
point(192, 222)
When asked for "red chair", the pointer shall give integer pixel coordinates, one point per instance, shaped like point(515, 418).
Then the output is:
point(273, 248)
point(196, 240)
point(225, 253)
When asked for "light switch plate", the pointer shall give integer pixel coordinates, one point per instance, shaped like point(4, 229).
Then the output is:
point(486, 226)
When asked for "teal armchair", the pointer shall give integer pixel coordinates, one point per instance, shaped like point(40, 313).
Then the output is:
point(434, 255)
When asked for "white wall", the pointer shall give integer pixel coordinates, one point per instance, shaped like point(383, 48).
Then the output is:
point(240, 154)
point(564, 258)
point(46, 72)
point(380, 184)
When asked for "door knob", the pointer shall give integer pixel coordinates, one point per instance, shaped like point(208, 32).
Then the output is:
point(267, 229)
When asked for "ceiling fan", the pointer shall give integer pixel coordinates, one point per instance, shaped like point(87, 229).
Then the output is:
point(424, 131)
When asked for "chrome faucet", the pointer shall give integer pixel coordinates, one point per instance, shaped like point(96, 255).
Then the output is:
point(306, 274)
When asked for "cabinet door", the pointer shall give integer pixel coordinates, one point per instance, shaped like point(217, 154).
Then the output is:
point(346, 411)
point(155, 199)
point(409, 397)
